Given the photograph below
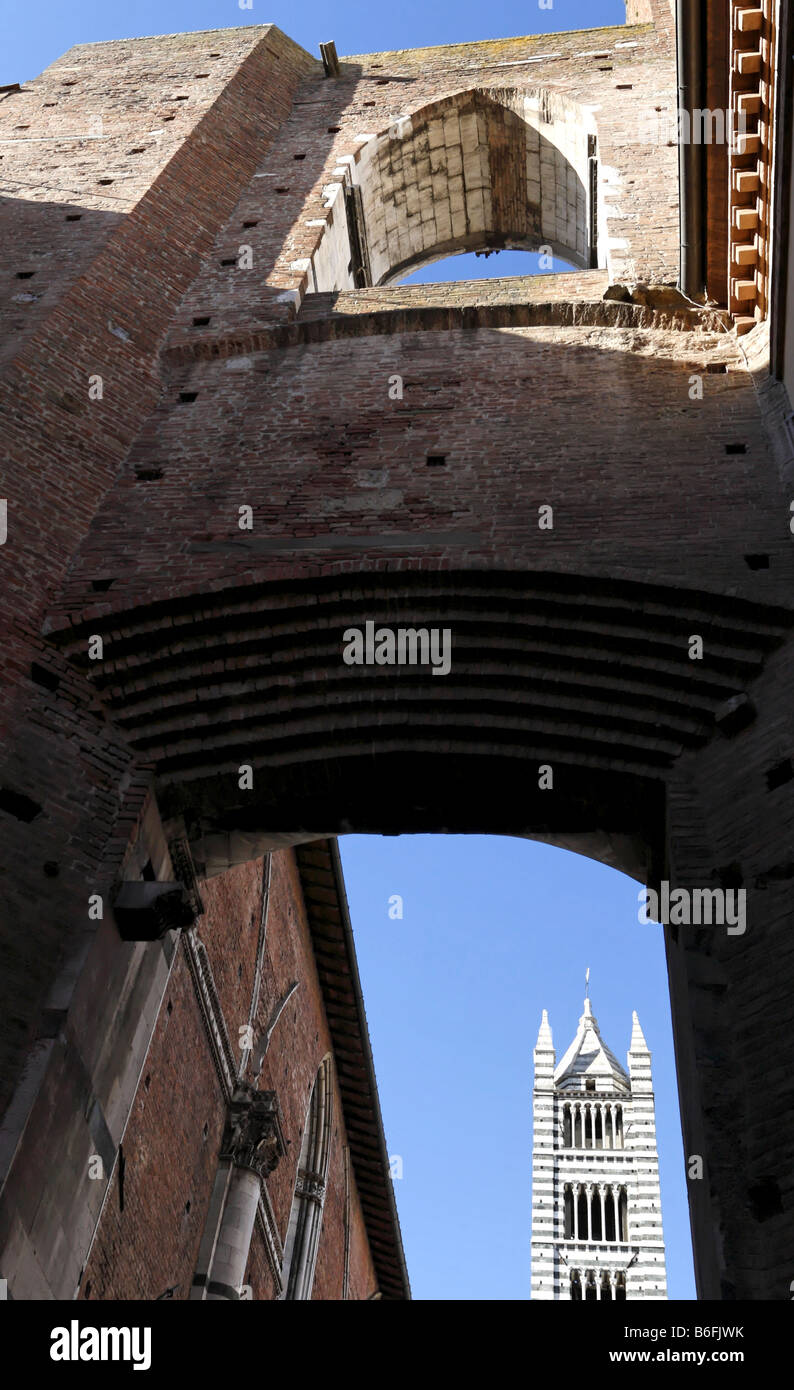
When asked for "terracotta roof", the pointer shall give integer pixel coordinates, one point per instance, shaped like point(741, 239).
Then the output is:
point(323, 885)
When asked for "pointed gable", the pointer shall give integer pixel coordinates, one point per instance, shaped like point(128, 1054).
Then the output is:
point(588, 1056)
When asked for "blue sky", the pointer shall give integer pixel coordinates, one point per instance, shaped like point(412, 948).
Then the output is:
point(37, 34)
point(494, 930)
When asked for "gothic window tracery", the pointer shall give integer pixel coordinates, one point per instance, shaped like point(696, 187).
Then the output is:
point(306, 1216)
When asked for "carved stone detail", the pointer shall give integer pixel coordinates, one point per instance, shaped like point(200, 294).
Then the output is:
point(254, 1137)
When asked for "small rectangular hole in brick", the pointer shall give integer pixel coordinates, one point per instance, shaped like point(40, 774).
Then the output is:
point(757, 562)
point(253, 223)
point(101, 586)
point(188, 396)
point(736, 448)
point(148, 475)
point(104, 181)
point(201, 322)
point(716, 368)
point(436, 460)
point(42, 676)
point(17, 804)
point(299, 156)
point(231, 260)
point(282, 190)
point(780, 774)
point(139, 149)
point(334, 129)
point(25, 274)
point(74, 216)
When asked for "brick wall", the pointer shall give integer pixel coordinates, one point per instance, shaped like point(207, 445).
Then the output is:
point(173, 1136)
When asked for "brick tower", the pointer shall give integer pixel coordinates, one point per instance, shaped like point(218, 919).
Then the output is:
point(596, 1205)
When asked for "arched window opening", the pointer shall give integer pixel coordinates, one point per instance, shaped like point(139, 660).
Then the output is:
point(588, 1127)
point(515, 169)
point(576, 1287)
point(623, 1215)
point(606, 1287)
point(568, 1213)
point(596, 1233)
point(618, 1126)
point(591, 1292)
point(578, 1127)
point(620, 1288)
point(599, 1128)
point(306, 1215)
point(567, 1127)
point(609, 1215)
point(582, 1215)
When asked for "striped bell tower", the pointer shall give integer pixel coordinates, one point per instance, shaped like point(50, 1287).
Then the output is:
point(596, 1205)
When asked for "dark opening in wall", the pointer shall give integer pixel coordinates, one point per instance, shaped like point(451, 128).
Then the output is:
point(188, 396)
point(436, 460)
point(781, 773)
point(44, 677)
point(765, 1200)
point(74, 216)
point(201, 321)
point(757, 562)
point(148, 475)
point(299, 156)
point(230, 260)
point(334, 129)
point(736, 448)
point(23, 807)
point(104, 181)
point(253, 223)
point(25, 274)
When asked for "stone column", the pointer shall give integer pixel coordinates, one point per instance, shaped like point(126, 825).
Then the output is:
point(252, 1145)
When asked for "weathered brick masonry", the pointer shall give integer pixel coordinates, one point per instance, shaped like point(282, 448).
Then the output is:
point(395, 447)
point(151, 1242)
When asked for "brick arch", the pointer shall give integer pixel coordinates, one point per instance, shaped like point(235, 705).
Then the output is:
point(587, 677)
point(475, 170)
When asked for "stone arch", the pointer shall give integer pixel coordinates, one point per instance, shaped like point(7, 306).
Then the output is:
point(472, 171)
point(306, 1215)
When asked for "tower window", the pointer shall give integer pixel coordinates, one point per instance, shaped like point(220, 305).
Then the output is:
point(589, 1084)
